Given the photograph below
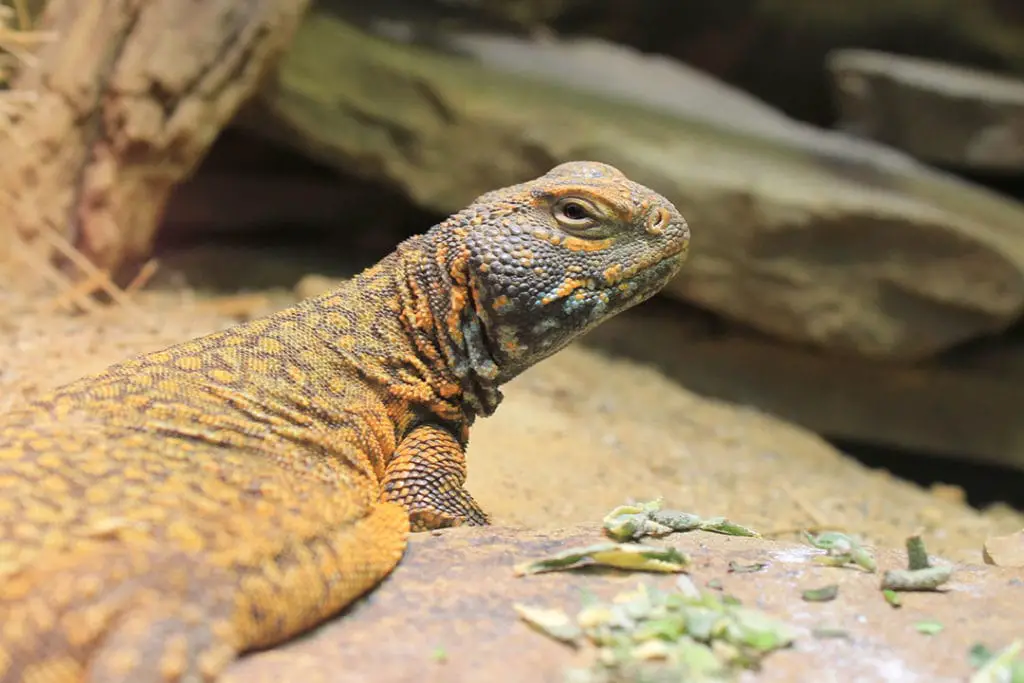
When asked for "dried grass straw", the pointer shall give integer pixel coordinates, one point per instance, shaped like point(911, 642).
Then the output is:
point(17, 40)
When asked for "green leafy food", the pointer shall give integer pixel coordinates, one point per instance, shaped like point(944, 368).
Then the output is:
point(551, 622)
point(678, 635)
point(917, 556)
point(824, 632)
point(842, 550)
point(892, 597)
point(720, 525)
point(929, 627)
point(634, 521)
point(1001, 667)
point(916, 579)
point(823, 594)
point(631, 556)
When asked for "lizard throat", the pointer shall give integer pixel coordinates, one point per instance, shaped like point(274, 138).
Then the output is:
point(482, 372)
point(458, 333)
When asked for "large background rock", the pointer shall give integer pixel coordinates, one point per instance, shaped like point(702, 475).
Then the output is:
point(938, 112)
point(967, 405)
point(821, 241)
point(773, 49)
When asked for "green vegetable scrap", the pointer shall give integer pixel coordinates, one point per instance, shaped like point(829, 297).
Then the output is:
point(677, 635)
point(737, 568)
point(921, 575)
point(551, 622)
point(929, 627)
point(841, 550)
point(823, 594)
point(632, 556)
point(979, 655)
point(1001, 667)
point(634, 521)
point(892, 597)
point(916, 579)
point(824, 632)
point(720, 525)
point(917, 556)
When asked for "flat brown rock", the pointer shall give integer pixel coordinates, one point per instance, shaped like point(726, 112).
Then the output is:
point(965, 407)
point(453, 594)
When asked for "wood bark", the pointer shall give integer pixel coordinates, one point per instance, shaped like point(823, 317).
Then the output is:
point(126, 102)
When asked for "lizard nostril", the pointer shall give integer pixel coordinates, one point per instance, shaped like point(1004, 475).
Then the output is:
point(658, 221)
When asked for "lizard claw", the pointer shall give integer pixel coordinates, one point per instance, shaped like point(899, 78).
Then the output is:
point(456, 508)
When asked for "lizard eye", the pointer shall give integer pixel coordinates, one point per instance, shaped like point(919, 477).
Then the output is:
point(575, 213)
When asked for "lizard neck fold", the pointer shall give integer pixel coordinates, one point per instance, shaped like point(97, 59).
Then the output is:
point(440, 312)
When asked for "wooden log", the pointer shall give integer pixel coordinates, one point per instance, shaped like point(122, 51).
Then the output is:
point(126, 102)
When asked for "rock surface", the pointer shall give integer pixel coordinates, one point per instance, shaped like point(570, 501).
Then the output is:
point(937, 112)
point(1005, 551)
point(776, 49)
point(966, 406)
point(806, 236)
point(446, 614)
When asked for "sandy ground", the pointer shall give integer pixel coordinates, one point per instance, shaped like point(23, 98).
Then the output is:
point(576, 435)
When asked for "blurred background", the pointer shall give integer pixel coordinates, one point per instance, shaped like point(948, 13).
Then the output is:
point(845, 345)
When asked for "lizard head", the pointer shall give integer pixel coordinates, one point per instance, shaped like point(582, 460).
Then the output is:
point(551, 258)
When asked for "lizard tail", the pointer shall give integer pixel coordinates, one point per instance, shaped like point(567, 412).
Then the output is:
point(110, 612)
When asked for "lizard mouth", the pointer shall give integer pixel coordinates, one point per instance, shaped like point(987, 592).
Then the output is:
point(674, 259)
point(658, 269)
point(654, 277)
point(675, 256)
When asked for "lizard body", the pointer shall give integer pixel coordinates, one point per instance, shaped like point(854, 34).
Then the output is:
point(229, 492)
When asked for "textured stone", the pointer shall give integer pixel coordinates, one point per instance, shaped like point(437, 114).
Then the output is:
point(937, 112)
point(964, 406)
point(1005, 551)
point(446, 614)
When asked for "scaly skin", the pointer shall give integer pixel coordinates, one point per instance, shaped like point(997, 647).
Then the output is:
point(227, 493)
